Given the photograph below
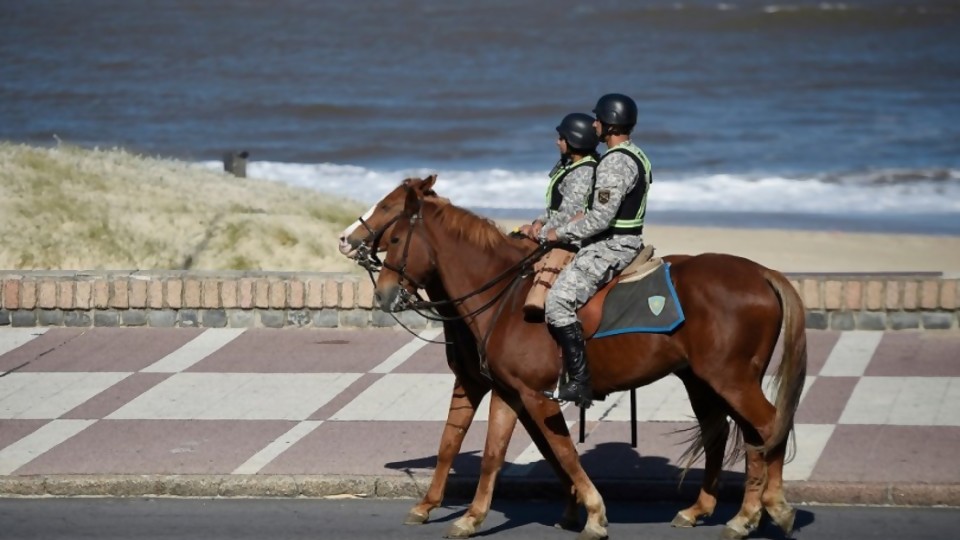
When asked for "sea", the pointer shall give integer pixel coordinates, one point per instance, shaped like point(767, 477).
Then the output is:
point(754, 113)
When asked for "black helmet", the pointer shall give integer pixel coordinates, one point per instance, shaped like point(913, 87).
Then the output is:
point(616, 110)
point(577, 130)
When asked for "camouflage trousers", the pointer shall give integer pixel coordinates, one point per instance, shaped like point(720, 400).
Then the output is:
point(593, 267)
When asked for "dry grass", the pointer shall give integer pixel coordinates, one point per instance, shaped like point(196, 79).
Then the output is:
point(67, 208)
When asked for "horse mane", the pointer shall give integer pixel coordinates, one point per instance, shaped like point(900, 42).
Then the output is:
point(477, 230)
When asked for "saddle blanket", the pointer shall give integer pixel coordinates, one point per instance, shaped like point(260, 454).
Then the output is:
point(647, 305)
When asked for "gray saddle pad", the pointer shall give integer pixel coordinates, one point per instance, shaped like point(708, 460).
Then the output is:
point(648, 305)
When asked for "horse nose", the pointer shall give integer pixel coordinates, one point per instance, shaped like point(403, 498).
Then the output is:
point(378, 297)
point(346, 248)
point(386, 299)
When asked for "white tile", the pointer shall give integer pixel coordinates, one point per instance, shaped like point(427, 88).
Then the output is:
point(949, 414)
point(11, 338)
point(918, 401)
point(810, 439)
point(33, 445)
point(903, 401)
point(49, 395)
point(198, 348)
point(407, 396)
point(871, 401)
point(276, 447)
point(403, 353)
point(851, 354)
point(237, 396)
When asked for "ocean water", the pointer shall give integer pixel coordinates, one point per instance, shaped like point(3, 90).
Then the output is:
point(754, 113)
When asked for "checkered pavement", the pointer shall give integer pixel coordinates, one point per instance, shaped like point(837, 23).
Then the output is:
point(877, 407)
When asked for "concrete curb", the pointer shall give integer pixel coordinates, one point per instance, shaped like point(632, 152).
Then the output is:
point(314, 486)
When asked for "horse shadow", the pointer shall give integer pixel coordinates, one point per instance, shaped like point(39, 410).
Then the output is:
point(607, 464)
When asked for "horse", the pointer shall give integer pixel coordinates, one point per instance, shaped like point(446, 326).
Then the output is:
point(470, 385)
point(709, 408)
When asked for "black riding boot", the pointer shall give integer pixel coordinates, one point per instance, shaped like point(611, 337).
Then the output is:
point(577, 386)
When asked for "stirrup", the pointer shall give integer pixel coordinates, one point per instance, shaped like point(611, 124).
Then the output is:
point(579, 400)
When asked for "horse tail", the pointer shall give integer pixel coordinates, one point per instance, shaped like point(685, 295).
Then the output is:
point(792, 372)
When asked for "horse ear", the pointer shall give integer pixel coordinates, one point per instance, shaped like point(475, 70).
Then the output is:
point(429, 181)
point(411, 206)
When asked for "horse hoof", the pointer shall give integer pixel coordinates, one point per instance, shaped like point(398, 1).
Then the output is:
point(594, 532)
point(733, 533)
point(681, 521)
point(458, 530)
point(785, 519)
point(415, 518)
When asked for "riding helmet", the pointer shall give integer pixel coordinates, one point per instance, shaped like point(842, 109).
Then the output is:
point(616, 110)
point(577, 130)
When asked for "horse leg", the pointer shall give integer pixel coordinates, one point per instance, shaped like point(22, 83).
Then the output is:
point(773, 498)
point(570, 519)
point(463, 406)
point(549, 422)
point(755, 416)
point(493, 459)
point(499, 431)
point(711, 413)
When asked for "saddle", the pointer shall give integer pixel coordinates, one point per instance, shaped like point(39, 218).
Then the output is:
point(550, 265)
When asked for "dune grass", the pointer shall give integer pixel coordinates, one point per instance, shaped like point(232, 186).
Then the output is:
point(68, 208)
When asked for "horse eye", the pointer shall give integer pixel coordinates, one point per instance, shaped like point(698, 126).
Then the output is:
point(394, 240)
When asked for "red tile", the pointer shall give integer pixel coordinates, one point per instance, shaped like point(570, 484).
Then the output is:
point(871, 453)
point(12, 431)
point(27, 356)
point(287, 350)
point(916, 354)
point(107, 349)
point(159, 447)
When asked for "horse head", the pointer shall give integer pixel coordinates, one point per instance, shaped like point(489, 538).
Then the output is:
point(409, 259)
point(356, 241)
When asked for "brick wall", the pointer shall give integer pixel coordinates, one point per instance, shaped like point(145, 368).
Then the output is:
point(326, 300)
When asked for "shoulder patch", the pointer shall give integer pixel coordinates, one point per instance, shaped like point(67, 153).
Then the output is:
point(603, 196)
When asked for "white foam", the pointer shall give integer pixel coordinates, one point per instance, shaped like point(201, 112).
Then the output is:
point(758, 192)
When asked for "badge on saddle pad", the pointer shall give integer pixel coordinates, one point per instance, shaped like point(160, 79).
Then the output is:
point(656, 304)
point(623, 312)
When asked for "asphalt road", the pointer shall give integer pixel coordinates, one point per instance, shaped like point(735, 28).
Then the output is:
point(240, 519)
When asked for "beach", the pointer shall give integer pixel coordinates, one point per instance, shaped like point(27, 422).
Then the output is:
point(799, 251)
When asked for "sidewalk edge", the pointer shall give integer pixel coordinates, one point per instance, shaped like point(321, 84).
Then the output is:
point(345, 486)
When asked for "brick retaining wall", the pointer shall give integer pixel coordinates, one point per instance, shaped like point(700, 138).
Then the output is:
point(328, 300)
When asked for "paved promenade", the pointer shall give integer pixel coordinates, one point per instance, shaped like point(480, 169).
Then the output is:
point(148, 411)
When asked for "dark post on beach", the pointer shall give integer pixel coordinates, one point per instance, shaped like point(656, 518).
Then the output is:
point(235, 163)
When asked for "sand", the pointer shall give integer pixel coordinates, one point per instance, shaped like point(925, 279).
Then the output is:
point(799, 251)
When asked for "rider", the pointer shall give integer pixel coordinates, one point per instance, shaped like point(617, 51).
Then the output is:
point(571, 179)
point(610, 233)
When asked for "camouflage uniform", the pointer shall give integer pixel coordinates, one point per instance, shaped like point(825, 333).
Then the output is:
point(599, 261)
point(575, 190)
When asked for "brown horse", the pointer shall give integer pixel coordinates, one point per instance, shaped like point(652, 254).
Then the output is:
point(471, 386)
point(734, 309)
